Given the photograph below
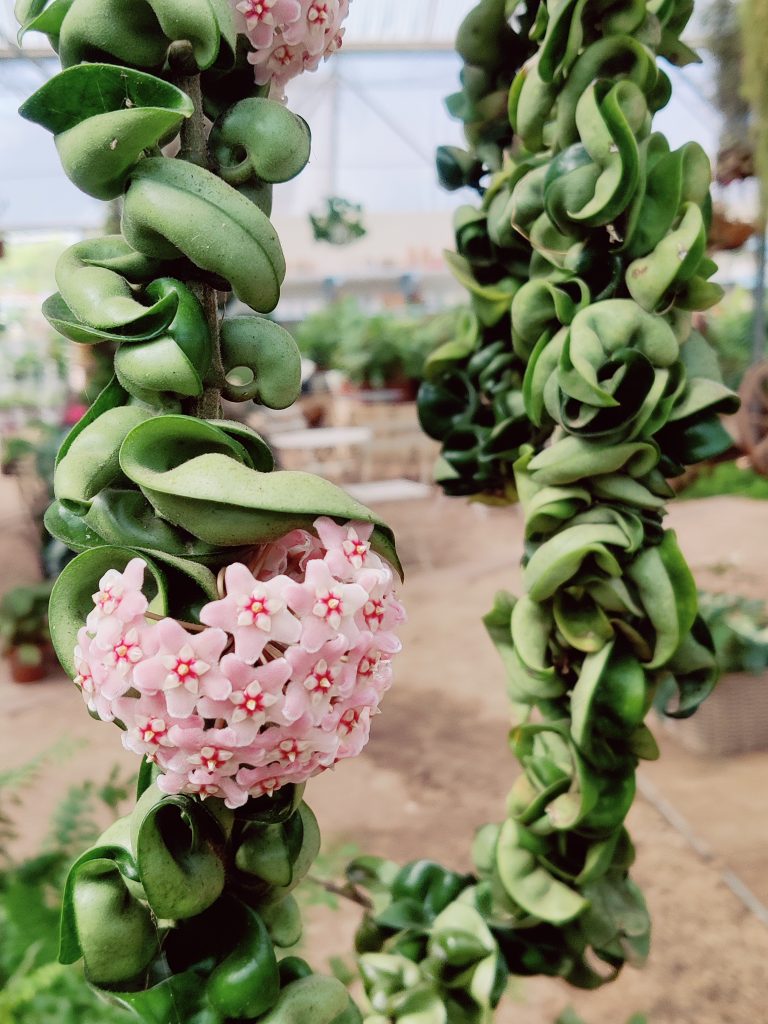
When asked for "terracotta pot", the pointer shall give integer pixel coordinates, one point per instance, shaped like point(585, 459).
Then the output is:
point(22, 673)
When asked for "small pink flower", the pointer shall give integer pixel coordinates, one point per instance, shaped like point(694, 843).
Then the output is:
point(115, 653)
point(256, 698)
point(353, 730)
point(263, 781)
point(146, 735)
point(264, 17)
point(290, 36)
point(211, 749)
point(326, 606)
point(296, 745)
point(148, 723)
point(370, 658)
point(214, 784)
point(203, 784)
point(381, 613)
point(254, 612)
point(311, 29)
point(289, 555)
point(348, 548)
point(89, 684)
point(185, 668)
point(316, 678)
point(258, 782)
point(122, 645)
point(119, 595)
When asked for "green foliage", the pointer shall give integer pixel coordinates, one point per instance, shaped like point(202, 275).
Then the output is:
point(739, 628)
point(40, 444)
point(112, 113)
point(754, 36)
point(34, 989)
point(427, 335)
point(429, 950)
point(330, 864)
point(372, 352)
point(154, 469)
point(727, 478)
point(729, 331)
point(75, 822)
point(318, 335)
point(723, 40)
point(576, 383)
point(340, 223)
point(570, 1016)
point(24, 616)
point(376, 350)
point(54, 994)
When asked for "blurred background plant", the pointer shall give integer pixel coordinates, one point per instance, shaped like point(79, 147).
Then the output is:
point(29, 458)
point(34, 988)
point(24, 634)
point(729, 329)
point(739, 627)
point(340, 223)
point(727, 478)
point(374, 350)
point(571, 1017)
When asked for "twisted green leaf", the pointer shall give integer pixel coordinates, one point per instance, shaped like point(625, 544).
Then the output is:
point(103, 118)
point(174, 209)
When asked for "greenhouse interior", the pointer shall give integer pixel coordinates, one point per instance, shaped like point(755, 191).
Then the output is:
point(383, 383)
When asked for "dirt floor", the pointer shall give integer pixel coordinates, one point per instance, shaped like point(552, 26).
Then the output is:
point(438, 766)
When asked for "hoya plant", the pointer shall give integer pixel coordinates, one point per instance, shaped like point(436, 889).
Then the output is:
point(236, 623)
point(576, 385)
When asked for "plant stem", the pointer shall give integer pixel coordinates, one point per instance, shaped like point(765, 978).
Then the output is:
point(194, 149)
point(346, 891)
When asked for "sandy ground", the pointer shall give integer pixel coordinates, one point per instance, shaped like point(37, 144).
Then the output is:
point(438, 766)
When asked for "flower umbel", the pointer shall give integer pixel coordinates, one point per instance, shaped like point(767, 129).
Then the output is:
point(280, 683)
point(290, 36)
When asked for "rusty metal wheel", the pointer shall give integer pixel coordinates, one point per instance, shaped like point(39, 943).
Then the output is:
point(752, 418)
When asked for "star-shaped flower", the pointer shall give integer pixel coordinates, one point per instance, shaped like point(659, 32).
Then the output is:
point(116, 651)
point(326, 606)
point(90, 678)
point(254, 612)
point(256, 698)
point(185, 668)
point(316, 678)
point(119, 595)
point(347, 548)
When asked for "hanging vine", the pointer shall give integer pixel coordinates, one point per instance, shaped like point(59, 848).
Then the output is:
point(238, 623)
point(577, 386)
point(235, 622)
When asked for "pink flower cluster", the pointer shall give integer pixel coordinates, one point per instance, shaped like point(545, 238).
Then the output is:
point(278, 685)
point(290, 36)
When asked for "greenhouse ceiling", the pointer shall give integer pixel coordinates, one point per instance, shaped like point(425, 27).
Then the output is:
point(378, 112)
point(372, 23)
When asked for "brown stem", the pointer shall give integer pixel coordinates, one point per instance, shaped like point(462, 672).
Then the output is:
point(194, 149)
point(193, 627)
point(346, 891)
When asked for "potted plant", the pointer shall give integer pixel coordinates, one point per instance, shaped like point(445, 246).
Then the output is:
point(24, 633)
point(383, 351)
point(734, 720)
point(339, 223)
point(370, 354)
